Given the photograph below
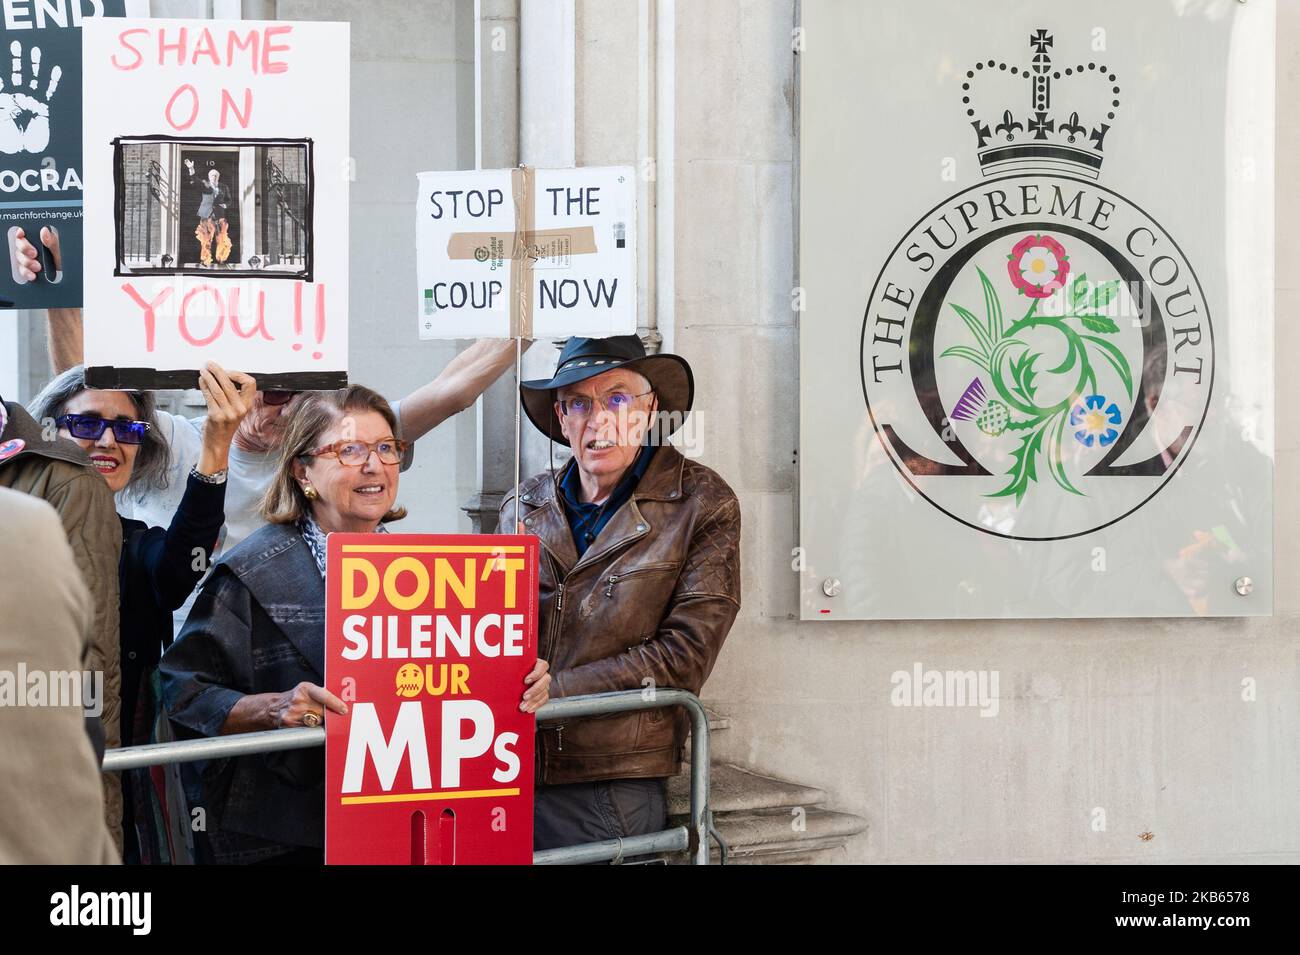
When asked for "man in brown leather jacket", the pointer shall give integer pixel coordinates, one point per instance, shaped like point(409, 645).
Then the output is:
point(640, 581)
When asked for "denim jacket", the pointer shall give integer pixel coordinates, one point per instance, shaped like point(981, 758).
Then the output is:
point(258, 626)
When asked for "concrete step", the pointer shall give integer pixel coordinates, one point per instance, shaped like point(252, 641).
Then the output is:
point(717, 723)
point(716, 720)
point(769, 836)
point(734, 789)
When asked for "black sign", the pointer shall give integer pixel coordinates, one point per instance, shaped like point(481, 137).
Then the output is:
point(40, 148)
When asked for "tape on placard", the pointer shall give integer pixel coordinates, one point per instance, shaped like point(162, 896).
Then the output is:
point(526, 245)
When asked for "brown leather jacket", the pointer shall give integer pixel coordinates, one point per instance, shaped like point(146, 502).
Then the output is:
point(651, 600)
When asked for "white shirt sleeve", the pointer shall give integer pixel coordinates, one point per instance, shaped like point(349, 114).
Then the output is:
point(184, 438)
point(409, 457)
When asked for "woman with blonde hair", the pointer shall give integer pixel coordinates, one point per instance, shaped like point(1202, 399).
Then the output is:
point(252, 653)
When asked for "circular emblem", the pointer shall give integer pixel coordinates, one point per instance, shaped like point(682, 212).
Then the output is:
point(1037, 356)
point(481, 253)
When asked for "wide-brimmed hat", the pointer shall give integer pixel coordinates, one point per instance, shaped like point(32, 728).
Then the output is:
point(582, 358)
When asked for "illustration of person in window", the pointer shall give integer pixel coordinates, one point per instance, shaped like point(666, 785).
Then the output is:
point(212, 215)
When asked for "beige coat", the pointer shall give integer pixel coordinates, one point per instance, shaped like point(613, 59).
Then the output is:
point(50, 786)
point(58, 472)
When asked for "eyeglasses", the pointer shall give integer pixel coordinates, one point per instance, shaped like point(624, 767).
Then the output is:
point(90, 427)
point(278, 397)
point(580, 406)
point(353, 454)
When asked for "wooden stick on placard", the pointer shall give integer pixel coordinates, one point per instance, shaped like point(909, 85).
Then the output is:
point(523, 254)
point(521, 294)
point(519, 376)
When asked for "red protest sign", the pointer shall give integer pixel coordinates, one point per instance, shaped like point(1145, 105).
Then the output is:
point(428, 639)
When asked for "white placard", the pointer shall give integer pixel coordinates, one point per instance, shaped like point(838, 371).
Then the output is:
point(582, 253)
point(216, 174)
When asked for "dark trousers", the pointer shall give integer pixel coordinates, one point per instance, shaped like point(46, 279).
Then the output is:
point(593, 812)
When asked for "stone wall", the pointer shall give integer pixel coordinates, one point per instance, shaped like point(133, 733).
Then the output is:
point(1143, 719)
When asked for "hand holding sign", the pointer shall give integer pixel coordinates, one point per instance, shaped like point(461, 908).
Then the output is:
point(539, 692)
point(230, 398)
point(302, 706)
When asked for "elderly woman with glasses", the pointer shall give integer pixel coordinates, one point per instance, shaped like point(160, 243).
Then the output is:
point(159, 566)
point(252, 653)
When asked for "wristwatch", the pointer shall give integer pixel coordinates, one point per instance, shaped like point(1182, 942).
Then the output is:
point(217, 478)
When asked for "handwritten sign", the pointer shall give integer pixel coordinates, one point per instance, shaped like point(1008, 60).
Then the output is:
point(40, 145)
point(428, 640)
point(533, 252)
point(216, 170)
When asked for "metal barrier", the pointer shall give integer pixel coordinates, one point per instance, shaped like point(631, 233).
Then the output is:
point(691, 838)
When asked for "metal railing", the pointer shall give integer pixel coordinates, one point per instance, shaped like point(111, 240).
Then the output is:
point(691, 838)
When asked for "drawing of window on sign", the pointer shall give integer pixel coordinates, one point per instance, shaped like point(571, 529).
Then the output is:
point(199, 207)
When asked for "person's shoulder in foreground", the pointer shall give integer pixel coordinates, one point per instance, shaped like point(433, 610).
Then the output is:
point(50, 787)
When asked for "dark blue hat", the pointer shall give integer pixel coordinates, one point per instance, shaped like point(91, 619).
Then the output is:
point(582, 358)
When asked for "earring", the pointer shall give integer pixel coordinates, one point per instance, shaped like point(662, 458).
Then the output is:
point(309, 492)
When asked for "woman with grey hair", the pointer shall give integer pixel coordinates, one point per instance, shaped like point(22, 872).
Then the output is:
point(159, 566)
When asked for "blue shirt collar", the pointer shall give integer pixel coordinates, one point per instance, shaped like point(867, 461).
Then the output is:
point(586, 519)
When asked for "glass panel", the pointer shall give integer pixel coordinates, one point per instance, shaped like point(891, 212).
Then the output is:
point(1036, 356)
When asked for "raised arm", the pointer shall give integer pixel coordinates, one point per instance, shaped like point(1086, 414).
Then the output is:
point(65, 338)
point(458, 386)
point(170, 559)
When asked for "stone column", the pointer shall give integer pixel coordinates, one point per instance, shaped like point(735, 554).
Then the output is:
point(496, 107)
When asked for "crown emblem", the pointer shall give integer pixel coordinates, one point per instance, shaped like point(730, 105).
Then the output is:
point(1062, 130)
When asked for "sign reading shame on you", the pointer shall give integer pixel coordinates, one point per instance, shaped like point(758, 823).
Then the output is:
point(428, 640)
point(216, 173)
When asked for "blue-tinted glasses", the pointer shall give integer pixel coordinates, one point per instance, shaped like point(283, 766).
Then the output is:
point(89, 427)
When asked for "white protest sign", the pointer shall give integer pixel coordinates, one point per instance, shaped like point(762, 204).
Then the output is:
point(216, 173)
point(545, 253)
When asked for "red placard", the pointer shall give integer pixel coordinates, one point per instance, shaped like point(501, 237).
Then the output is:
point(428, 639)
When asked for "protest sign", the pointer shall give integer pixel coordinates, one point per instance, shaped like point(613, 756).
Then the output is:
point(526, 252)
point(40, 145)
point(216, 173)
point(428, 640)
